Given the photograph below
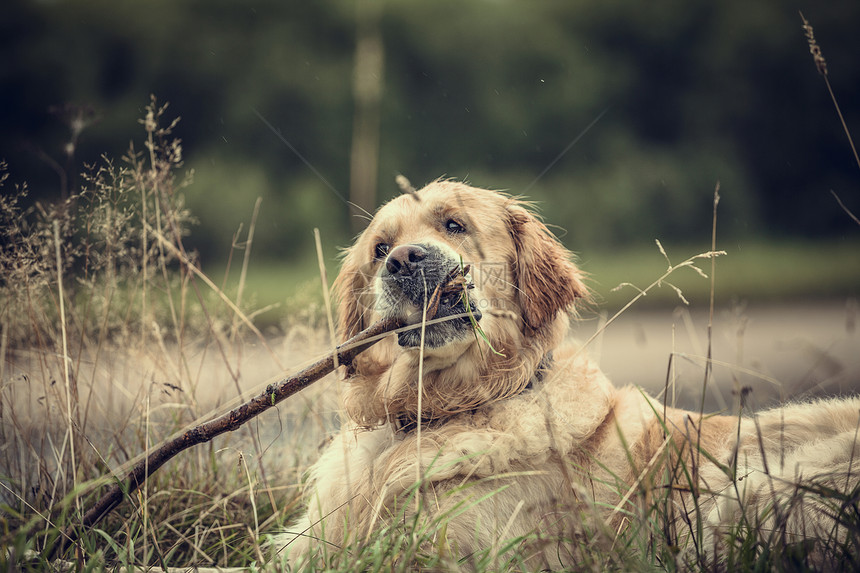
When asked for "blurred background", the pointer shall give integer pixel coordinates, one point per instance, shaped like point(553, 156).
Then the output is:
point(618, 118)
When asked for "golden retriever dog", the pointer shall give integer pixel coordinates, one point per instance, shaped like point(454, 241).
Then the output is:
point(499, 427)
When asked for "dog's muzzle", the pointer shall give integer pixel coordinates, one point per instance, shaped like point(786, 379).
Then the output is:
point(409, 276)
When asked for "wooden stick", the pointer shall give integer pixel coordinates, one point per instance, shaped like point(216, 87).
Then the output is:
point(227, 422)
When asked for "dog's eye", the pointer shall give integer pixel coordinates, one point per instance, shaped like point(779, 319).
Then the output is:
point(380, 251)
point(454, 227)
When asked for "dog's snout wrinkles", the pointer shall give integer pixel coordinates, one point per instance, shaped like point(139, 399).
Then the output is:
point(404, 259)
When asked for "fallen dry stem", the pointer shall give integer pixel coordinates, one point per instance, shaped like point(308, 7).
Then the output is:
point(228, 422)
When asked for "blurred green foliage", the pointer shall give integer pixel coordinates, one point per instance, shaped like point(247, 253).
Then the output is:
point(488, 90)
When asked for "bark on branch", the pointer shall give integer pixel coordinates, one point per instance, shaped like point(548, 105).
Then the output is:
point(228, 422)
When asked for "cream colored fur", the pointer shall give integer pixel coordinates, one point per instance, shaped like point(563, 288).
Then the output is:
point(568, 454)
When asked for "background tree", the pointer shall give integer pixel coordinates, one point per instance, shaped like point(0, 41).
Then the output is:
point(489, 91)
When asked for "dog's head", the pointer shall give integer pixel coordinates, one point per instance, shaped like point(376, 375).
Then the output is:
point(513, 284)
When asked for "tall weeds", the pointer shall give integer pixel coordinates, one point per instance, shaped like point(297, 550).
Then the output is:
point(111, 339)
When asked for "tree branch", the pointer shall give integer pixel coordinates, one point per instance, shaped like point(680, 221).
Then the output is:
point(227, 422)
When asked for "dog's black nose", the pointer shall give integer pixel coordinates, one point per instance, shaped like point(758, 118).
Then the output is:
point(404, 259)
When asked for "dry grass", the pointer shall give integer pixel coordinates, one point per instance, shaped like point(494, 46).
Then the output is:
point(112, 340)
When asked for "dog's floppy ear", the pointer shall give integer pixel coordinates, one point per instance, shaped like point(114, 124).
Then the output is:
point(348, 287)
point(546, 279)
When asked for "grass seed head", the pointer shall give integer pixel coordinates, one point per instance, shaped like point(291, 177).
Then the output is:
point(814, 48)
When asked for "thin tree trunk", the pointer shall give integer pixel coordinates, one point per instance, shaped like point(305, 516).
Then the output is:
point(367, 95)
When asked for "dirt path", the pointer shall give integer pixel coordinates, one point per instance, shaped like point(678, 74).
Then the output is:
point(784, 350)
point(778, 351)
